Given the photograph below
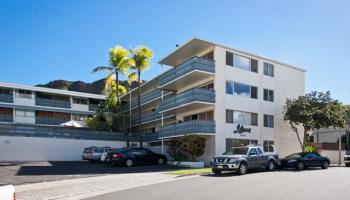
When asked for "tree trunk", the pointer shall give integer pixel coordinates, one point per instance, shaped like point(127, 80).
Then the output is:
point(295, 129)
point(305, 131)
point(139, 106)
point(117, 84)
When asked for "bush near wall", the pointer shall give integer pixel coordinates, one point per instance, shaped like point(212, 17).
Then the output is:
point(188, 147)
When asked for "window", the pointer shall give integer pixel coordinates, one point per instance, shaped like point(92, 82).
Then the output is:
point(241, 62)
point(253, 152)
point(208, 86)
point(80, 101)
point(244, 118)
point(230, 143)
point(269, 95)
point(229, 116)
point(268, 146)
point(24, 113)
point(79, 117)
point(241, 89)
point(24, 94)
point(269, 121)
point(268, 69)
point(229, 58)
point(259, 151)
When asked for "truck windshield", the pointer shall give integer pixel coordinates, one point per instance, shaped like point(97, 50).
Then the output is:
point(237, 151)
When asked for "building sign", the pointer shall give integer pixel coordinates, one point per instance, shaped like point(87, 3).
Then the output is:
point(241, 130)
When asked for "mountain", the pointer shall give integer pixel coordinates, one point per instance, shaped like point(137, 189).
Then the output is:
point(95, 87)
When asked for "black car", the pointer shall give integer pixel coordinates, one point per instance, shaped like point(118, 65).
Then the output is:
point(301, 161)
point(135, 156)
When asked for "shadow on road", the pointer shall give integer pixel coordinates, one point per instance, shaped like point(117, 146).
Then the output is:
point(82, 168)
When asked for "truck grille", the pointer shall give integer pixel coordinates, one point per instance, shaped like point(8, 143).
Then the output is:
point(222, 160)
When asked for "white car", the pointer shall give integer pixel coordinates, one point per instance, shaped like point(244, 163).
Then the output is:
point(105, 154)
point(7, 192)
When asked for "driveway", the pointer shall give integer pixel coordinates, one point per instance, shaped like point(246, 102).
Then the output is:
point(35, 172)
point(313, 184)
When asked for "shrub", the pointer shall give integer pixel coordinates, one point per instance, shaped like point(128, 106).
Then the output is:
point(310, 149)
point(193, 145)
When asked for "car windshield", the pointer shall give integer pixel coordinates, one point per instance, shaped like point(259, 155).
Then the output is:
point(237, 151)
point(294, 155)
point(87, 150)
point(347, 152)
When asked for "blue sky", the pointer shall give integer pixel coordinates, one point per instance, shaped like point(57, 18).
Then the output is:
point(47, 40)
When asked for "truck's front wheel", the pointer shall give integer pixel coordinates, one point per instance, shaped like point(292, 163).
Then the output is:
point(243, 169)
point(271, 165)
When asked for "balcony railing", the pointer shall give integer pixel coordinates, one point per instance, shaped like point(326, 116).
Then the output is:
point(93, 107)
point(49, 121)
point(52, 103)
point(152, 116)
point(194, 63)
point(189, 127)
point(59, 132)
point(189, 96)
point(7, 98)
point(144, 99)
point(6, 118)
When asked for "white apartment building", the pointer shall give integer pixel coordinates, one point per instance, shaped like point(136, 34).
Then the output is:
point(21, 104)
point(232, 97)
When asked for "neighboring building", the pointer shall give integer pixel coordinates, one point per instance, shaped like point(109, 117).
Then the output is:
point(210, 90)
point(20, 104)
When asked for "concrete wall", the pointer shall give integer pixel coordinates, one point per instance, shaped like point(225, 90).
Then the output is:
point(47, 149)
point(333, 155)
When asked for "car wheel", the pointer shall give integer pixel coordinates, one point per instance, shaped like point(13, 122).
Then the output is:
point(243, 169)
point(160, 161)
point(271, 165)
point(129, 163)
point(217, 172)
point(325, 165)
point(300, 166)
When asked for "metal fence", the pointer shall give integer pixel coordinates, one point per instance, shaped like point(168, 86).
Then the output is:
point(7, 98)
point(52, 103)
point(179, 129)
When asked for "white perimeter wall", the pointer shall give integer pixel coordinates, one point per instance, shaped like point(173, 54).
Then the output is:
point(47, 149)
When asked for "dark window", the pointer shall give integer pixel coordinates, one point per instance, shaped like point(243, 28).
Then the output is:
point(254, 119)
point(268, 69)
point(229, 116)
point(269, 95)
point(254, 92)
point(269, 121)
point(229, 87)
point(253, 152)
point(259, 151)
point(229, 58)
point(254, 65)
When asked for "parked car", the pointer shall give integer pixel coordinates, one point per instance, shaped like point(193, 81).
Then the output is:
point(86, 153)
point(7, 192)
point(301, 161)
point(241, 159)
point(93, 154)
point(105, 154)
point(135, 156)
point(347, 158)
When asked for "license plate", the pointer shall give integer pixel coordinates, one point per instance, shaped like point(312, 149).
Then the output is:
point(220, 167)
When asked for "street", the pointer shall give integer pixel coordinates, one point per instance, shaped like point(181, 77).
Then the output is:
point(317, 184)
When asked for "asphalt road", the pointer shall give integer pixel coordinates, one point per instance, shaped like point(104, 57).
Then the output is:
point(330, 184)
point(35, 172)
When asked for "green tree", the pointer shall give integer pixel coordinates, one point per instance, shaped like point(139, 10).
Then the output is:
point(120, 63)
point(193, 145)
point(141, 57)
point(315, 110)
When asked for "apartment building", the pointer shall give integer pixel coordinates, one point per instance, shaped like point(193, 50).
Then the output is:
point(232, 97)
point(21, 104)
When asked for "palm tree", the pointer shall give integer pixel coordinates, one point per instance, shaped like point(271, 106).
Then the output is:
point(142, 61)
point(120, 63)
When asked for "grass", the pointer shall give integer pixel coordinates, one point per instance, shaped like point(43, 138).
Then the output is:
point(188, 171)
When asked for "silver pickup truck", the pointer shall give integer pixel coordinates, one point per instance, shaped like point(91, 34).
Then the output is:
point(240, 159)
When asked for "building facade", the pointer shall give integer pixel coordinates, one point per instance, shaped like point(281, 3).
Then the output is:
point(232, 97)
point(20, 104)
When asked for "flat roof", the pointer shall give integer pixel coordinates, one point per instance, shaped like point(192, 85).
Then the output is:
point(51, 90)
point(196, 44)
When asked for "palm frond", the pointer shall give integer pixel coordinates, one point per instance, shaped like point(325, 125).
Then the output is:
point(102, 68)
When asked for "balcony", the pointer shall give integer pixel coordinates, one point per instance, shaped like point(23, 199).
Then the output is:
point(195, 69)
point(49, 121)
point(189, 127)
point(155, 94)
point(52, 103)
point(149, 117)
point(188, 100)
point(6, 118)
point(93, 107)
point(7, 98)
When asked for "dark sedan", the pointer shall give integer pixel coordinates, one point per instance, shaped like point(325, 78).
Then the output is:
point(300, 161)
point(135, 156)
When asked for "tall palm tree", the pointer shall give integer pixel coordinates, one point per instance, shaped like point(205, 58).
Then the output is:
point(142, 61)
point(120, 63)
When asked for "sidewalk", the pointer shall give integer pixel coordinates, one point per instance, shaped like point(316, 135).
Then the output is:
point(81, 188)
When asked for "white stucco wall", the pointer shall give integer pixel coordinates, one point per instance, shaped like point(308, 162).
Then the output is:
point(47, 149)
point(287, 82)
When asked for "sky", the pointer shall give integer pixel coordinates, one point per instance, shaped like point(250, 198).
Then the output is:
point(47, 40)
